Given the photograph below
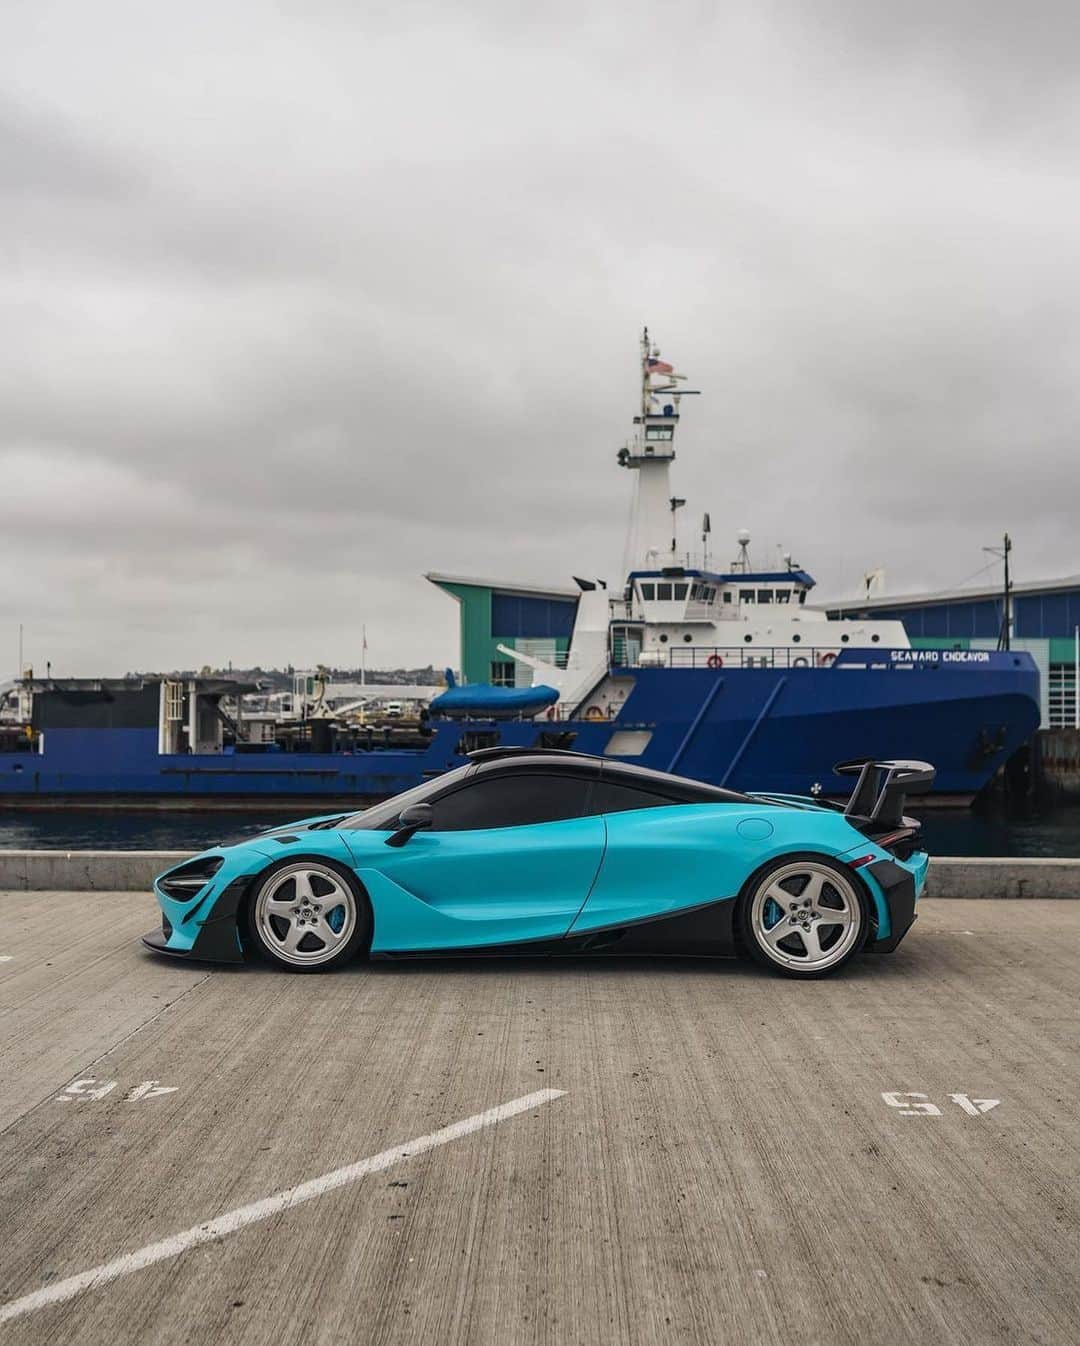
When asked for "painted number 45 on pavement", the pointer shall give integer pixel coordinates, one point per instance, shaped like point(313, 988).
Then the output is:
point(918, 1105)
point(91, 1088)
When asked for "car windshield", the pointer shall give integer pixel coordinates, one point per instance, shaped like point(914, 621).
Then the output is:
point(383, 816)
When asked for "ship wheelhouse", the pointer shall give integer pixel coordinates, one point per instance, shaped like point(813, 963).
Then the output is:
point(675, 594)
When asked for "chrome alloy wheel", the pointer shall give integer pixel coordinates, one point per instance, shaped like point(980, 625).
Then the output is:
point(806, 916)
point(305, 914)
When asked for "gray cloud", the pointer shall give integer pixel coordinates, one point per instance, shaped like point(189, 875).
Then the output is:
point(301, 302)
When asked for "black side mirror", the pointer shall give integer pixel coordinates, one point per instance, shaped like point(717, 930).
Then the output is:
point(413, 819)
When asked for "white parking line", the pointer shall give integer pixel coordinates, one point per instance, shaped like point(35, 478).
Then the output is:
point(269, 1206)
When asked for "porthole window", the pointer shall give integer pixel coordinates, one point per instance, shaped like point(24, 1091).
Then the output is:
point(663, 640)
point(748, 639)
point(796, 638)
point(875, 639)
point(688, 637)
point(844, 639)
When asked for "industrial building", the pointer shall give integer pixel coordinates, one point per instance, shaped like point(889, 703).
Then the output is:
point(1045, 622)
point(534, 619)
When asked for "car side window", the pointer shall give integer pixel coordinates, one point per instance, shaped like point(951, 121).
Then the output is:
point(510, 801)
point(610, 796)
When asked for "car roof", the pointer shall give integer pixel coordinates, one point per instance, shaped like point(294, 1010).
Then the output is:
point(511, 761)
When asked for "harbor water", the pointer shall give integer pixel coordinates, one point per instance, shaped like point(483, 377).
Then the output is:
point(991, 831)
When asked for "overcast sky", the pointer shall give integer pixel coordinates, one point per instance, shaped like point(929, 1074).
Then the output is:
point(299, 301)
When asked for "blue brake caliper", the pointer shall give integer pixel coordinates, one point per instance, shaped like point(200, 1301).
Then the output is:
point(336, 919)
point(772, 913)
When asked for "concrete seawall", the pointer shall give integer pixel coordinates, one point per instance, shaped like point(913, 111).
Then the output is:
point(84, 871)
point(959, 876)
point(133, 871)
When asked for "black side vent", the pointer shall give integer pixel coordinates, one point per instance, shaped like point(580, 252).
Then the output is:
point(187, 881)
point(286, 841)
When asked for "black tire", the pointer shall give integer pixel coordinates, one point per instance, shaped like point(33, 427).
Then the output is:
point(804, 942)
point(290, 921)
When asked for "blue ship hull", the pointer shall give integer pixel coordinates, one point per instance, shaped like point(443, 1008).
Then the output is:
point(766, 729)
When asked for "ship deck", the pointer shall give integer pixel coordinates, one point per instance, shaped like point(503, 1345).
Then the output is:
point(715, 1158)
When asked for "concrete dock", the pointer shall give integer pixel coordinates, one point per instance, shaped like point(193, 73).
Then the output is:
point(645, 1150)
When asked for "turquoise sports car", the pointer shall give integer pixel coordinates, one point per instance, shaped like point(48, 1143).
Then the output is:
point(542, 851)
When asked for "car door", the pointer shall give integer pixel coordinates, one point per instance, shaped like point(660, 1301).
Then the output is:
point(661, 856)
point(509, 858)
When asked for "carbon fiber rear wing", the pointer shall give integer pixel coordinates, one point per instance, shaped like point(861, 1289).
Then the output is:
point(881, 791)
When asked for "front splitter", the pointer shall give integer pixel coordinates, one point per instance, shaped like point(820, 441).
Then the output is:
point(216, 947)
point(157, 942)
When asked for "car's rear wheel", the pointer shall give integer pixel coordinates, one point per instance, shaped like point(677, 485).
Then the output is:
point(308, 915)
point(804, 916)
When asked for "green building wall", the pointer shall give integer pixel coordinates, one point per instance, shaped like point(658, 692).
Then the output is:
point(478, 647)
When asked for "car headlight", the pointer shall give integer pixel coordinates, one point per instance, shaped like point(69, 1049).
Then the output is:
point(185, 882)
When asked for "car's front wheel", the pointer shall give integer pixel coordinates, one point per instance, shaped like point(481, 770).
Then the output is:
point(308, 915)
point(804, 916)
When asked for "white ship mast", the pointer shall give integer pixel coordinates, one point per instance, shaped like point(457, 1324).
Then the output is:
point(651, 451)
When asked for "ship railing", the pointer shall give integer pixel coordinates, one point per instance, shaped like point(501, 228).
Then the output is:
point(717, 657)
